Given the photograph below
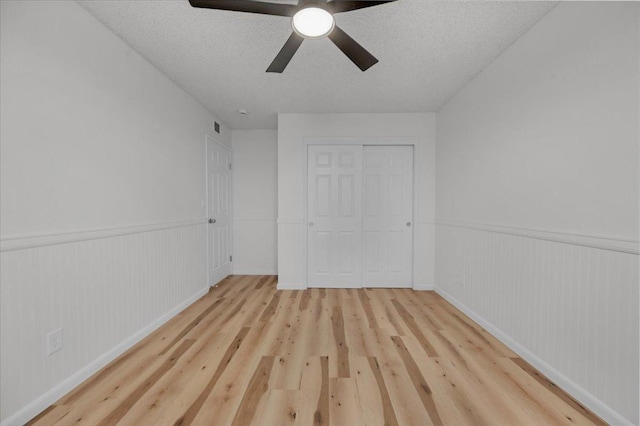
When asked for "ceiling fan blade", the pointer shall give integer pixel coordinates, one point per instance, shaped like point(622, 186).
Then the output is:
point(358, 54)
point(337, 6)
point(286, 53)
point(277, 9)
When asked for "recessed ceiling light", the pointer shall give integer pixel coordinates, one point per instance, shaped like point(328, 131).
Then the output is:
point(313, 22)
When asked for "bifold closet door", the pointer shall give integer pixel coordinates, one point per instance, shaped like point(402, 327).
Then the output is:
point(334, 211)
point(388, 216)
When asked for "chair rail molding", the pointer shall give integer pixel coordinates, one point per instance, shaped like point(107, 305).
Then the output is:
point(622, 245)
point(32, 241)
point(291, 221)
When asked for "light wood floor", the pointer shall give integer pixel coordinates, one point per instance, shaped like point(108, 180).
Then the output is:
point(248, 354)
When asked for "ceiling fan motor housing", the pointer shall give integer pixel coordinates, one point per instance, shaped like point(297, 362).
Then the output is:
point(322, 4)
point(313, 21)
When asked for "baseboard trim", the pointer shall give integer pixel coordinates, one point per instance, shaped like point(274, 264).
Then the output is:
point(591, 402)
point(291, 286)
point(34, 408)
point(423, 287)
point(255, 272)
point(299, 286)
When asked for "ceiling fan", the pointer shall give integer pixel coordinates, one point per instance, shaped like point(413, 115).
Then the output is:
point(310, 19)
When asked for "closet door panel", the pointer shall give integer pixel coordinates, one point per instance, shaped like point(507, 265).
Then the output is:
point(334, 211)
point(388, 216)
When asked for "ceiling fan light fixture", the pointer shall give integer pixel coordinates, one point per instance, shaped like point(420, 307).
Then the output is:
point(313, 22)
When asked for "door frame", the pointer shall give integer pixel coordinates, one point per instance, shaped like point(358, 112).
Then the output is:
point(391, 141)
point(212, 139)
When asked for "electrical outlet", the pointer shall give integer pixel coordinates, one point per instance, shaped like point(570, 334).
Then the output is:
point(54, 341)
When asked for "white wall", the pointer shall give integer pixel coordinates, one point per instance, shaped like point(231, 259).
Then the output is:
point(547, 136)
point(255, 196)
point(292, 227)
point(537, 201)
point(102, 177)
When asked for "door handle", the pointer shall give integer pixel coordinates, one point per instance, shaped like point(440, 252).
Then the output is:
point(408, 224)
point(311, 224)
point(212, 221)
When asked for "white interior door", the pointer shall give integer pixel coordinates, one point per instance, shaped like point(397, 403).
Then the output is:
point(334, 216)
point(388, 216)
point(218, 211)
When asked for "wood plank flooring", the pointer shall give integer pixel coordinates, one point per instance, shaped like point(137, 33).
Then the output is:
point(246, 354)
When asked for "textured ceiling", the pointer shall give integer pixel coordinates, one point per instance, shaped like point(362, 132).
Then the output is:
point(427, 52)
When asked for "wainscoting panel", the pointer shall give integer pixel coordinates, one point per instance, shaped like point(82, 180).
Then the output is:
point(105, 293)
point(572, 309)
